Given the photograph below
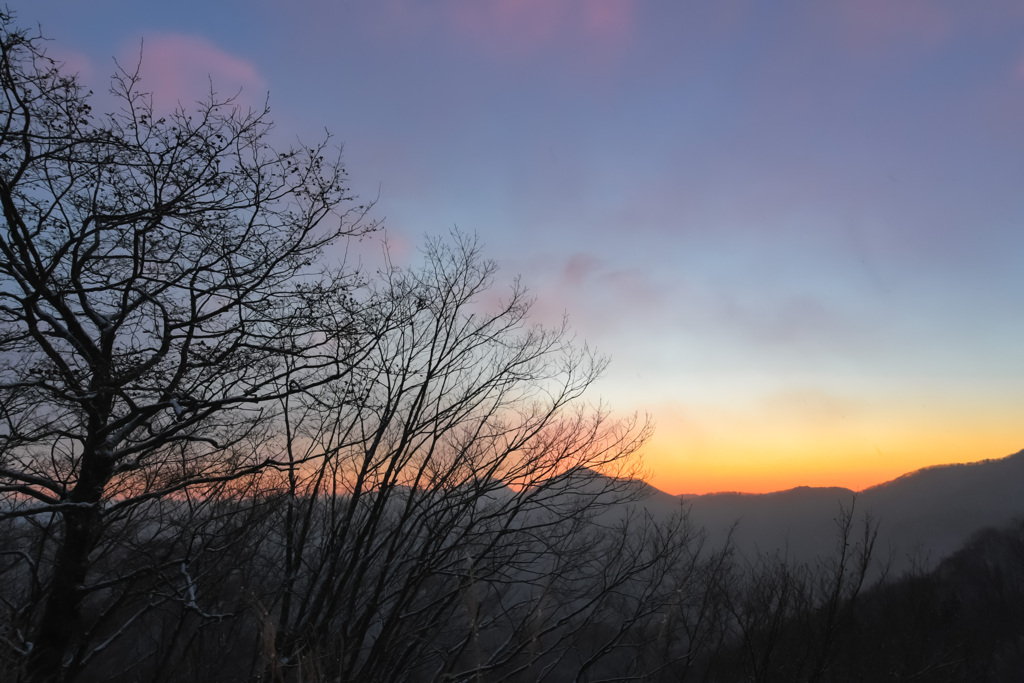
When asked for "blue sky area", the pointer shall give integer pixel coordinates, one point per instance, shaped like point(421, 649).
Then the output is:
point(796, 227)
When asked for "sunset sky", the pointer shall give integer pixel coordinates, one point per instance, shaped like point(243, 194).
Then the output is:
point(796, 227)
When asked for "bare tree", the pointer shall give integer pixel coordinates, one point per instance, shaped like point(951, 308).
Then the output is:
point(789, 620)
point(209, 438)
point(161, 293)
point(840, 578)
point(450, 528)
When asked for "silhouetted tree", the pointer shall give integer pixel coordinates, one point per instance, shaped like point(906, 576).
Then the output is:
point(161, 292)
point(791, 621)
point(836, 589)
point(448, 526)
point(212, 443)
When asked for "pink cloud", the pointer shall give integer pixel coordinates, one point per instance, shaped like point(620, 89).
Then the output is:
point(72, 62)
point(400, 18)
point(579, 268)
point(608, 18)
point(598, 297)
point(181, 69)
point(522, 27)
point(522, 24)
point(873, 24)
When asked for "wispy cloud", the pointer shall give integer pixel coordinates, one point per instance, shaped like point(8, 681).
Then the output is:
point(526, 25)
point(872, 25)
point(518, 28)
point(73, 62)
point(182, 69)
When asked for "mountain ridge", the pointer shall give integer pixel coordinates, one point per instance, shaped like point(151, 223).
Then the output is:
point(923, 516)
point(944, 467)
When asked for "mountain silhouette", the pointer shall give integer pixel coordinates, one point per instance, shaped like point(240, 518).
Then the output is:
point(922, 517)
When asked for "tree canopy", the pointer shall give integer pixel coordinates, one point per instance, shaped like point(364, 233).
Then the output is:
point(187, 378)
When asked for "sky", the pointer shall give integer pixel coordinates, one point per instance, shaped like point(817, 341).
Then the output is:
point(797, 227)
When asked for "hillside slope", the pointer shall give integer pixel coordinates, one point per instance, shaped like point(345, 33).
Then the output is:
point(923, 516)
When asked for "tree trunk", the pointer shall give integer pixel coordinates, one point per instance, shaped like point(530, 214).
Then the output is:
point(62, 613)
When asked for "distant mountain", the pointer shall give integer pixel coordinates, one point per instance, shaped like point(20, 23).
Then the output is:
point(939, 508)
point(923, 516)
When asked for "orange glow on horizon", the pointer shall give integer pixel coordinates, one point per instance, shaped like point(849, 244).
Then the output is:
point(762, 473)
point(716, 451)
